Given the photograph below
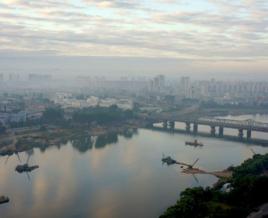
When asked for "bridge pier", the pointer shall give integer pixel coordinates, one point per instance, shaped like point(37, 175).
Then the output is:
point(165, 124)
point(150, 125)
point(221, 131)
point(240, 134)
point(213, 130)
point(188, 127)
point(248, 134)
point(195, 128)
point(244, 128)
point(171, 124)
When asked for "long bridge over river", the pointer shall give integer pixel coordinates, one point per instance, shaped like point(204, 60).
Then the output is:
point(191, 125)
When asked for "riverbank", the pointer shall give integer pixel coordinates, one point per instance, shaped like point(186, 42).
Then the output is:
point(244, 191)
point(23, 139)
point(224, 174)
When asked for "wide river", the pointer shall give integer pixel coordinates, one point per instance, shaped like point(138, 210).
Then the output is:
point(116, 176)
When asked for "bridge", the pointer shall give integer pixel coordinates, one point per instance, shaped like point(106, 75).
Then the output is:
point(191, 125)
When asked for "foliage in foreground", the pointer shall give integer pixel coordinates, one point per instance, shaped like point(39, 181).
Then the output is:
point(249, 184)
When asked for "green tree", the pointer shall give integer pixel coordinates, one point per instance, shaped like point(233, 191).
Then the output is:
point(2, 129)
point(53, 115)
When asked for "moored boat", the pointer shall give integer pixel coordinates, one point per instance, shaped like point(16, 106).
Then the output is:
point(25, 168)
point(194, 143)
point(168, 160)
point(4, 199)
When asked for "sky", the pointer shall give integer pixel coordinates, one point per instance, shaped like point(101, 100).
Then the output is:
point(137, 37)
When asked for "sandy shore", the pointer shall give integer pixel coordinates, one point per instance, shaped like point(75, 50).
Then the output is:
point(220, 174)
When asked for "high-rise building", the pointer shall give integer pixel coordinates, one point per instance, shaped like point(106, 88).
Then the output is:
point(186, 87)
point(13, 76)
point(158, 83)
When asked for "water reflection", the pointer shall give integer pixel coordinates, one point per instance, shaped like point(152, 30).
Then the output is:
point(87, 142)
point(129, 133)
point(81, 141)
point(126, 179)
point(83, 144)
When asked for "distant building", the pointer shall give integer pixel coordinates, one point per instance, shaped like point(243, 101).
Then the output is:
point(39, 77)
point(237, 89)
point(186, 87)
point(157, 84)
point(6, 118)
point(13, 77)
point(126, 85)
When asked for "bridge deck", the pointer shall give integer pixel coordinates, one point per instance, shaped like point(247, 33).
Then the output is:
point(227, 123)
point(247, 124)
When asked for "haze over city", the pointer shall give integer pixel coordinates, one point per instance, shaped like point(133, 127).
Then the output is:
point(134, 108)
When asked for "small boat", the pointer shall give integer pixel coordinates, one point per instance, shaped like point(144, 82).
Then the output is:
point(4, 199)
point(168, 160)
point(25, 168)
point(194, 143)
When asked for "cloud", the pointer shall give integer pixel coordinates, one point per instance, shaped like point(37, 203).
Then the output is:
point(174, 28)
point(115, 4)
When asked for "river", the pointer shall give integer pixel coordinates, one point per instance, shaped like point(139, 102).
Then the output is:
point(116, 176)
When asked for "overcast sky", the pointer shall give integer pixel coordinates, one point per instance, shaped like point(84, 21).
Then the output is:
point(143, 37)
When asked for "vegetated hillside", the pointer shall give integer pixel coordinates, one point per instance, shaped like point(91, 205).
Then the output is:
point(248, 190)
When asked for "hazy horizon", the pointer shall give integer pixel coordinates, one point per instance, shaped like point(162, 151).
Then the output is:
point(116, 67)
point(204, 38)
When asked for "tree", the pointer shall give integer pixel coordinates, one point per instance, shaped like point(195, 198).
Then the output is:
point(2, 129)
point(53, 115)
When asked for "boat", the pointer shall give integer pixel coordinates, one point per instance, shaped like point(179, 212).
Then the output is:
point(194, 143)
point(25, 168)
point(4, 199)
point(168, 160)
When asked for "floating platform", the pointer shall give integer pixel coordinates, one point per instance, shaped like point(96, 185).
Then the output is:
point(194, 143)
point(168, 160)
point(25, 168)
point(4, 199)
